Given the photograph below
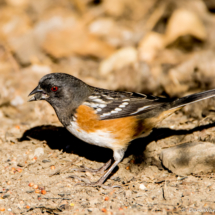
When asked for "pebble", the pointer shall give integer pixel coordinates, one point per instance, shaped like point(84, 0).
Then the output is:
point(142, 187)
point(17, 101)
point(38, 152)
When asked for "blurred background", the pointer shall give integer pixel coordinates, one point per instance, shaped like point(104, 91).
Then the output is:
point(162, 47)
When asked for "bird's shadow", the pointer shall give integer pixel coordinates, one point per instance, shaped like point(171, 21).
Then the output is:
point(60, 138)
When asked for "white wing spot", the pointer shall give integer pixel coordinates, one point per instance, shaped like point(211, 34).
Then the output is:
point(102, 105)
point(107, 97)
point(94, 105)
point(73, 118)
point(99, 100)
point(123, 104)
point(90, 104)
point(106, 114)
point(125, 100)
point(114, 111)
point(98, 109)
point(86, 103)
point(94, 97)
point(140, 109)
point(118, 109)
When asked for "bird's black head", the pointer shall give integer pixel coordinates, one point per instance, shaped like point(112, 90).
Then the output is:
point(61, 90)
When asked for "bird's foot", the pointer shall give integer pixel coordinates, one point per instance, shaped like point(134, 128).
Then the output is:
point(100, 170)
point(88, 183)
point(85, 169)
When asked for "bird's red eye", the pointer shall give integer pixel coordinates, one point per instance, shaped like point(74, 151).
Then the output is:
point(54, 89)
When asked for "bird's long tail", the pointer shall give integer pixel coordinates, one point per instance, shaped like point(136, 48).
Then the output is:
point(192, 98)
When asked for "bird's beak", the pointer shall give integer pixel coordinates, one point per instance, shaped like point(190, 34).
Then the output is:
point(38, 93)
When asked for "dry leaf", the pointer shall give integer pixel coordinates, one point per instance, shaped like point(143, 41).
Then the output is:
point(184, 22)
point(121, 58)
point(76, 41)
point(150, 45)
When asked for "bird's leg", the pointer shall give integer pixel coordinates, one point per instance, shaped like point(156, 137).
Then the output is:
point(118, 155)
point(100, 170)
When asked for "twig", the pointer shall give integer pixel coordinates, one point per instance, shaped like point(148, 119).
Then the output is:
point(175, 144)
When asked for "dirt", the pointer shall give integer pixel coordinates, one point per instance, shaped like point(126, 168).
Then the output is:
point(31, 154)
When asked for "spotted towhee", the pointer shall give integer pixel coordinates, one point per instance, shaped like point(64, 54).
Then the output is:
point(106, 118)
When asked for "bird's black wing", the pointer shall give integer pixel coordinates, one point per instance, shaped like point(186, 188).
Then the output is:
point(113, 104)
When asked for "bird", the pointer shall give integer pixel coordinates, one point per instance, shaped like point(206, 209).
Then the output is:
point(106, 118)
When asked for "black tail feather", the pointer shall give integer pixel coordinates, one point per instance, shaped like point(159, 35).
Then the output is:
point(192, 98)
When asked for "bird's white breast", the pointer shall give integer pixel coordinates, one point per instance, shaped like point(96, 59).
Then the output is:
point(100, 137)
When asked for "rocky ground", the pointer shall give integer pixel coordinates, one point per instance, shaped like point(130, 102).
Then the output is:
point(159, 47)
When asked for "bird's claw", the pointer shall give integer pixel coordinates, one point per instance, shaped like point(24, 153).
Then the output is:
point(85, 169)
point(100, 170)
point(95, 184)
point(85, 180)
point(88, 183)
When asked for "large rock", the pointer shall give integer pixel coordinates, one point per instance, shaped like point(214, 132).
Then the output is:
point(189, 158)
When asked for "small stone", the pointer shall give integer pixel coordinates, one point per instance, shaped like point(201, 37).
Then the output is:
point(43, 192)
point(142, 187)
point(31, 156)
point(37, 191)
point(128, 193)
point(19, 170)
point(38, 152)
point(46, 161)
point(35, 186)
point(17, 101)
point(52, 167)
point(104, 210)
point(127, 168)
